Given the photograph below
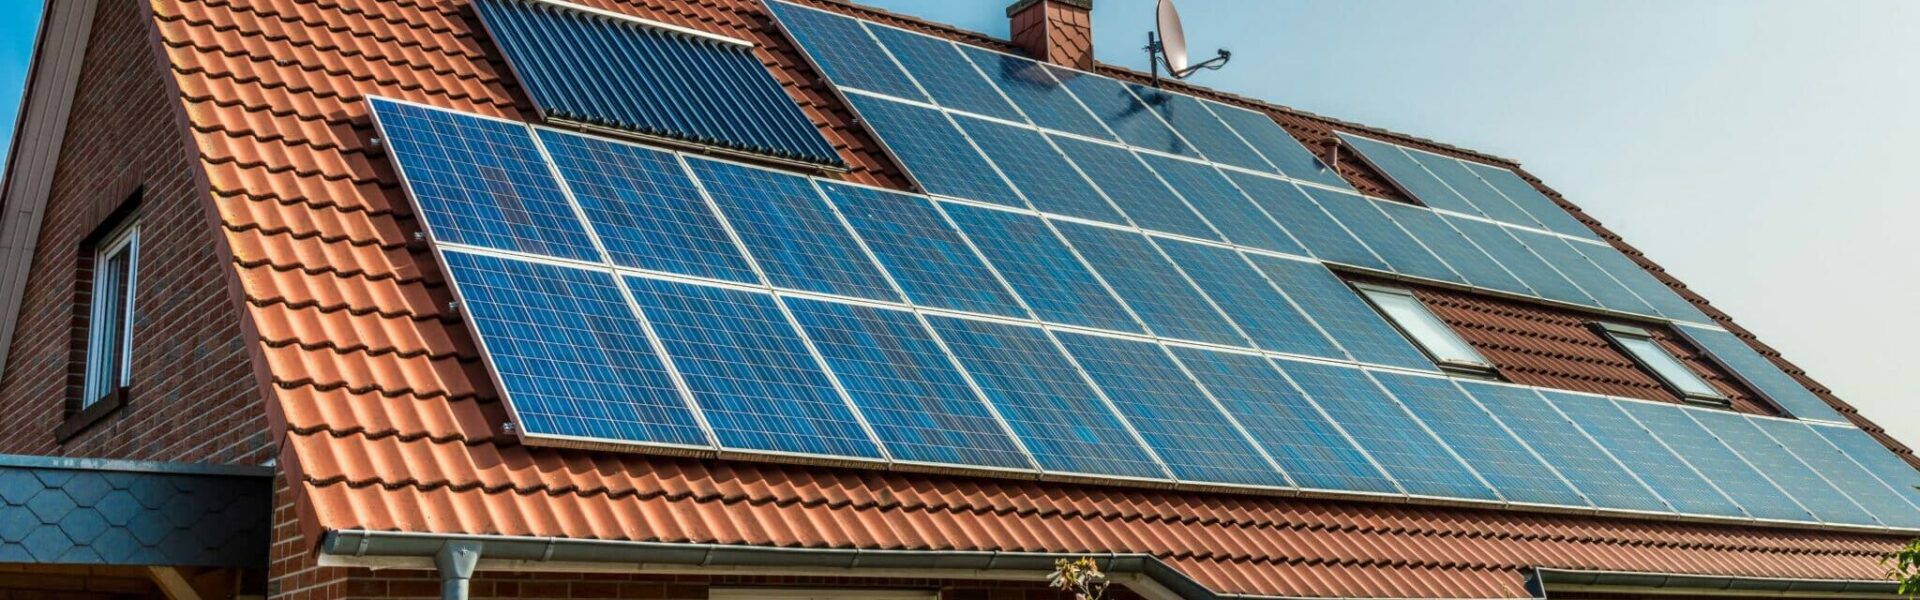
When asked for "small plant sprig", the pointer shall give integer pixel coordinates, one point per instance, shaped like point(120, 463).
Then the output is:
point(1081, 576)
point(1904, 566)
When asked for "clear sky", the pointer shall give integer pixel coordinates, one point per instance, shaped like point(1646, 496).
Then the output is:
point(1759, 149)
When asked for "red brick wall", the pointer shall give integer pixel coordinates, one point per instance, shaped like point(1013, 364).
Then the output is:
point(193, 397)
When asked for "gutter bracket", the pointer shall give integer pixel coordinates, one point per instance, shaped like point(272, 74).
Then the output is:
point(456, 562)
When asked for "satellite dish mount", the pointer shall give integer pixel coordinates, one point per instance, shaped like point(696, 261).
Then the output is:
point(1167, 47)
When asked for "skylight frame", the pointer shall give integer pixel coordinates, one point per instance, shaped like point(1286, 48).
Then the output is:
point(1639, 345)
point(1431, 334)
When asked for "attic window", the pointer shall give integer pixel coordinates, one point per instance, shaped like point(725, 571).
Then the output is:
point(1434, 336)
point(591, 69)
point(1648, 353)
point(110, 316)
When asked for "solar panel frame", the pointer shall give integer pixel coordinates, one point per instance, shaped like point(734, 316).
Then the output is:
point(1758, 494)
point(1134, 189)
point(1539, 275)
point(1280, 148)
point(1047, 274)
point(1323, 236)
point(1221, 204)
point(1889, 507)
point(1393, 436)
point(922, 253)
point(1759, 374)
point(1469, 186)
point(1538, 205)
point(1664, 300)
point(933, 151)
point(1261, 310)
point(1451, 247)
point(1039, 172)
point(1504, 462)
point(1407, 174)
point(1034, 90)
point(1340, 311)
point(1150, 285)
point(1561, 442)
point(1392, 243)
point(1200, 128)
point(853, 59)
point(946, 76)
point(1648, 458)
point(1827, 502)
point(1110, 101)
point(793, 237)
point(1874, 457)
point(1609, 293)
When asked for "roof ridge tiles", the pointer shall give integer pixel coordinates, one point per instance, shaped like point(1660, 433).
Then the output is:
point(227, 21)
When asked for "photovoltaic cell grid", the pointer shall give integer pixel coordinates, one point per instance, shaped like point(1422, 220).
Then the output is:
point(1760, 374)
point(585, 352)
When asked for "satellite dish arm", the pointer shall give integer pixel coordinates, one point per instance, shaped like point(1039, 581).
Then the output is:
point(1212, 64)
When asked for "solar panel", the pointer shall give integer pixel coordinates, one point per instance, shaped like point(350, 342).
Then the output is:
point(1308, 447)
point(1040, 172)
point(1662, 298)
point(1183, 426)
point(1117, 107)
point(1575, 266)
point(946, 75)
point(645, 208)
point(1147, 201)
point(1524, 195)
point(1667, 474)
point(1467, 259)
point(569, 353)
point(1063, 422)
point(481, 182)
point(1562, 444)
point(1862, 448)
point(925, 255)
point(1041, 268)
point(1200, 128)
point(1521, 261)
point(1421, 463)
point(1340, 311)
point(934, 151)
point(1760, 374)
point(1386, 238)
point(1407, 174)
point(1891, 508)
point(1150, 285)
point(749, 371)
point(1324, 238)
point(841, 48)
point(1279, 147)
point(1222, 204)
point(906, 386)
point(1506, 463)
point(1467, 185)
point(1045, 102)
point(1250, 300)
point(790, 231)
point(1813, 491)
point(1715, 461)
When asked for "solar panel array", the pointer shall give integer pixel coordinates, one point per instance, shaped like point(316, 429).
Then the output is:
point(629, 296)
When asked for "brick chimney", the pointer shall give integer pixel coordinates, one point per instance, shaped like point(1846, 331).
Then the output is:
point(1055, 31)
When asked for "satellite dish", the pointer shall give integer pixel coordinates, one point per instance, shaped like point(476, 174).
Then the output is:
point(1173, 40)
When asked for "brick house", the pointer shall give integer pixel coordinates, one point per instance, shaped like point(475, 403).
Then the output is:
point(216, 282)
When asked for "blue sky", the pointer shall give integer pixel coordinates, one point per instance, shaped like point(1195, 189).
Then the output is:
point(1759, 149)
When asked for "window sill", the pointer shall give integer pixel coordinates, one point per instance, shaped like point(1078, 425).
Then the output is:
point(85, 418)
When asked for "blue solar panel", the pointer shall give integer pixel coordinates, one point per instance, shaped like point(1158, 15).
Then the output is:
point(946, 75)
point(645, 208)
point(934, 151)
point(1348, 319)
point(1862, 448)
point(1801, 482)
point(842, 49)
point(1502, 459)
point(1046, 102)
point(1324, 237)
point(1250, 300)
point(1887, 505)
point(1521, 261)
point(1387, 239)
point(569, 352)
point(1048, 403)
point(1222, 204)
point(1644, 284)
point(1041, 269)
point(1150, 285)
point(1116, 106)
point(1408, 175)
point(1452, 247)
point(1597, 283)
point(1659, 468)
point(1524, 195)
point(1562, 443)
point(481, 182)
point(1295, 434)
point(1482, 196)
point(1182, 425)
point(1134, 188)
point(1760, 373)
point(1413, 457)
point(925, 255)
point(910, 391)
point(790, 231)
point(1200, 128)
point(1716, 462)
point(1041, 173)
point(1279, 147)
point(749, 371)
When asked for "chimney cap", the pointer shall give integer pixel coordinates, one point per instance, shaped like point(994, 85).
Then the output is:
point(1020, 5)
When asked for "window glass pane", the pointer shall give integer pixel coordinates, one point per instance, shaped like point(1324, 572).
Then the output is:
point(1429, 331)
point(1666, 366)
point(107, 346)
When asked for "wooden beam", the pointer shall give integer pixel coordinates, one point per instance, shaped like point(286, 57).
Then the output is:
point(172, 583)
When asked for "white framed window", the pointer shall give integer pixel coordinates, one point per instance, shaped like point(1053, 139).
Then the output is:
point(116, 273)
point(1645, 351)
point(1441, 343)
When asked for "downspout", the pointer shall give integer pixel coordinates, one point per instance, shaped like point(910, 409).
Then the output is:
point(456, 561)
